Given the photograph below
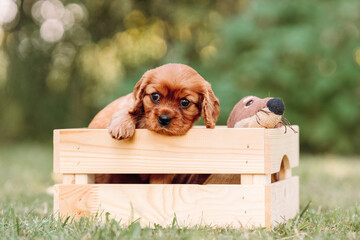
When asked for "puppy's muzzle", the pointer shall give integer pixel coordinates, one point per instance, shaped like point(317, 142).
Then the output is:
point(164, 120)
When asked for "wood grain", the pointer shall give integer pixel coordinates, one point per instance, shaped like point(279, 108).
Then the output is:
point(68, 179)
point(56, 201)
point(220, 150)
point(248, 179)
point(84, 178)
point(284, 200)
point(220, 205)
point(278, 145)
point(253, 153)
point(76, 200)
point(199, 151)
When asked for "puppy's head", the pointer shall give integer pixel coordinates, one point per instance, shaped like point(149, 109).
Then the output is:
point(172, 97)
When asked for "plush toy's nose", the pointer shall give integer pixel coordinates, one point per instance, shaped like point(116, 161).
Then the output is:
point(276, 105)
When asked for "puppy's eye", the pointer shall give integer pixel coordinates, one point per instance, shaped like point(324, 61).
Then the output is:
point(249, 103)
point(155, 97)
point(184, 103)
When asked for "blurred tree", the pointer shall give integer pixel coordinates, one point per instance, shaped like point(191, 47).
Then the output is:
point(300, 52)
point(65, 58)
point(62, 61)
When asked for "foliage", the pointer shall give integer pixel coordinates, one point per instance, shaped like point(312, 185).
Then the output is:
point(303, 54)
point(306, 52)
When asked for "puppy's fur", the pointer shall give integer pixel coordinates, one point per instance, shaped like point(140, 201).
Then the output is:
point(173, 83)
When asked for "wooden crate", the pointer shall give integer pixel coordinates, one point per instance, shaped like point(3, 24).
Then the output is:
point(255, 154)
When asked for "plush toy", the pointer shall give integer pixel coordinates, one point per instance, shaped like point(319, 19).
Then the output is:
point(254, 112)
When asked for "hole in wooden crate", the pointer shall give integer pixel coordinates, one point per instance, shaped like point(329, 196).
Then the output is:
point(285, 171)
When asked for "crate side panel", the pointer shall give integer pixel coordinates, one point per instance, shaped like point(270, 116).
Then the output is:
point(193, 204)
point(278, 144)
point(77, 200)
point(225, 205)
point(56, 204)
point(284, 200)
point(199, 151)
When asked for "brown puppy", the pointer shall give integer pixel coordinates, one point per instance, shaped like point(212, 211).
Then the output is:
point(167, 100)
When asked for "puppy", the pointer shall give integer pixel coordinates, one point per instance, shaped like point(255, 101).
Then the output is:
point(166, 100)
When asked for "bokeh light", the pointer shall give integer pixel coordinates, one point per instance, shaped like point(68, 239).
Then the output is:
point(55, 19)
point(52, 9)
point(78, 11)
point(8, 11)
point(52, 30)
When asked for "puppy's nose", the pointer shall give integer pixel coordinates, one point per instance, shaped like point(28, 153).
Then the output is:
point(164, 120)
point(276, 105)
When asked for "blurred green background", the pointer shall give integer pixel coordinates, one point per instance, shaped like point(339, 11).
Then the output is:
point(62, 61)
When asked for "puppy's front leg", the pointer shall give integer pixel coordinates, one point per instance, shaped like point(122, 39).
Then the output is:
point(122, 125)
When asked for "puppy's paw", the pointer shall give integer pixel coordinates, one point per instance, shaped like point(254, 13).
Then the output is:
point(122, 127)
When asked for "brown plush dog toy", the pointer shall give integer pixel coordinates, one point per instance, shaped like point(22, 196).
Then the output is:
point(254, 112)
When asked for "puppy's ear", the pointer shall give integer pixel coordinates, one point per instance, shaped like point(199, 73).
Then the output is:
point(139, 93)
point(210, 107)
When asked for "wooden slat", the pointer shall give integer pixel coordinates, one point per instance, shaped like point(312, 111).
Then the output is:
point(220, 205)
point(284, 200)
point(218, 150)
point(268, 206)
point(262, 179)
point(56, 201)
point(68, 179)
point(279, 144)
point(76, 200)
point(84, 178)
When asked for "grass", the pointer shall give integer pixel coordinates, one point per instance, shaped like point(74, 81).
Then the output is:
point(331, 183)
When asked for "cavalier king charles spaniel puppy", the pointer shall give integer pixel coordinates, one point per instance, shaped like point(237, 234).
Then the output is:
point(166, 100)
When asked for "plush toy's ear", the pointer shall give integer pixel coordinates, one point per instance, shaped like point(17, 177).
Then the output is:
point(210, 107)
point(139, 93)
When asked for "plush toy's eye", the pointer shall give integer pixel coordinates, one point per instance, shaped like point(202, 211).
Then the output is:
point(249, 103)
point(155, 97)
point(184, 103)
